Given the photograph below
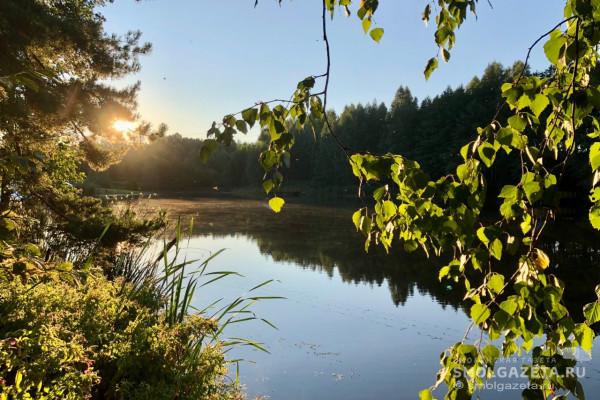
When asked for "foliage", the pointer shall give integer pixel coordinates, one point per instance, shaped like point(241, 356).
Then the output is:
point(57, 110)
point(84, 338)
point(70, 332)
point(541, 123)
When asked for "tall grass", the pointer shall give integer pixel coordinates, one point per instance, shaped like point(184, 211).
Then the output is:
point(174, 280)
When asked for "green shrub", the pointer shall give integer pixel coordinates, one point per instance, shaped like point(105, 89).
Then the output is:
point(79, 339)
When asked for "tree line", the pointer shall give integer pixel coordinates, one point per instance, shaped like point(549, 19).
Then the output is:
point(430, 132)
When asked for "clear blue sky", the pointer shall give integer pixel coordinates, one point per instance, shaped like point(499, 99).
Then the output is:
point(212, 57)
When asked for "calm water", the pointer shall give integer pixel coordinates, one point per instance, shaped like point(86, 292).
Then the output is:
point(353, 325)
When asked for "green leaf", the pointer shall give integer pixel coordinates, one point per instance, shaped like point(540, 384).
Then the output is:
point(7, 226)
point(585, 337)
point(268, 185)
point(533, 191)
point(425, 395)
point(250, 116)
point(509, 305)
point(464, 151)
point(479, 259)
point(505, 136)
point(491, 354)
point(595, 156)
point(502, 319)
point(379, 193)
point(445, 55)
point(442, 34)
point(444, 271)
point(307, 83)
point(229, 120)
point(389, 209)
point(526, 224)
point(592, 312)
point(524, 101)
point(509, 192)
point(32, 250)
point(376, 34)
point(519, 141)
point(356, 217)
point(482, 236)
point(510, 93)
point(496, 282)
point(208, 147)
point(553, 47)
point(496, 249)
point(517, 122)
point(487, 153)
point(268, 159)
point(595, 195)
point(316, 107)
point(550, 180)
point(431, 66)
point(539, 104)
point(410, 245)
point(480, 313)
point(264, 114)
point(276, 204)
point(365, 225)
point(366, 24)
point(595, 217)
point(508, 209)
point(18, 379)
point(361, 13)
point(426, 13)
point(241, 126)
point(467, 172)
point(276, 128)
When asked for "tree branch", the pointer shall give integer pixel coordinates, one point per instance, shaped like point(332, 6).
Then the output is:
point(327, 74)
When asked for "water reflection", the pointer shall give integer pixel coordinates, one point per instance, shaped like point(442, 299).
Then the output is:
point(340, 336)
point(323, 238)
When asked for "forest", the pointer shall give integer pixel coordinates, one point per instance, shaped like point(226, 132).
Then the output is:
point(430, 131)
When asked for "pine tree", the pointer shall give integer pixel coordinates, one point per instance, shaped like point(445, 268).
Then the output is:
point(56, 110)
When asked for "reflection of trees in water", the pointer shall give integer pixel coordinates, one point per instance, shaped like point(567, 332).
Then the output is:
point(323, 239)
point(403, 273)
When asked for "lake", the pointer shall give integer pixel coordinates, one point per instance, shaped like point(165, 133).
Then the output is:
point(352, 325)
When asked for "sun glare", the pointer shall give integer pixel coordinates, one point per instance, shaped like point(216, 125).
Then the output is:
point(124, 126)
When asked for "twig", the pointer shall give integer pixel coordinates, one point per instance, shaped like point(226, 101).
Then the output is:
point(535, 43)
point(288, 101)
point(327, 74)
point(528, 56)
point(576, 66)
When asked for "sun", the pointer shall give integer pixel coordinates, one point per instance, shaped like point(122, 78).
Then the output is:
point(124, 126)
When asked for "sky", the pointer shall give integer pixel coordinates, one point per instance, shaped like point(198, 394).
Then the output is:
point(214, 57)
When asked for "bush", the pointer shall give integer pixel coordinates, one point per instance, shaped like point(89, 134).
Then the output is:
point(83, 338)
